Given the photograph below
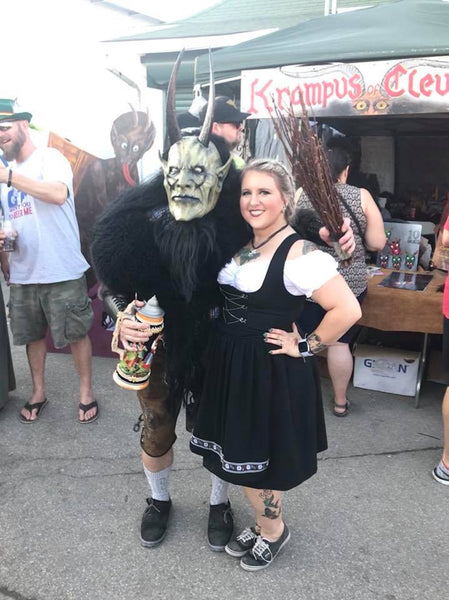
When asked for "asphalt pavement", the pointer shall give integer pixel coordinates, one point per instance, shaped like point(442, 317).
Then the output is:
point(371, 525)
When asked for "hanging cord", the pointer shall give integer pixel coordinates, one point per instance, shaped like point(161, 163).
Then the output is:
point(137, 425)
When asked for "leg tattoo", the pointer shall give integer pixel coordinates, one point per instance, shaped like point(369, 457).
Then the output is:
point(272, 508)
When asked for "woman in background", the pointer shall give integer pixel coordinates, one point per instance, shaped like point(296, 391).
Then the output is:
point(369, 234)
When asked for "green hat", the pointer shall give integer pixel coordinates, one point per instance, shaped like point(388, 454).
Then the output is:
point(7, 111)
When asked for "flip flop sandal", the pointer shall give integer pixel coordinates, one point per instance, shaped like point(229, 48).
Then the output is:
point(85, 408)
point(344, 412)
point(37, 406)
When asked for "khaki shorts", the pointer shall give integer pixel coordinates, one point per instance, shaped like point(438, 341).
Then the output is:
point(63, 307)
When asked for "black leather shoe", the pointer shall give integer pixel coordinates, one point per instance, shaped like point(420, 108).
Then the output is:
point(154, 522)
point(220, 526)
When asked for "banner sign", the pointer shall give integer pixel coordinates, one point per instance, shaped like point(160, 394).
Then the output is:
point(413, 85)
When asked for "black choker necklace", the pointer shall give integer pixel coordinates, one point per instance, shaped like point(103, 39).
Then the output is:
point(270, 237)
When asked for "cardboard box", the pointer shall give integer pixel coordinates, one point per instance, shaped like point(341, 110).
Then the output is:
point(386, 369)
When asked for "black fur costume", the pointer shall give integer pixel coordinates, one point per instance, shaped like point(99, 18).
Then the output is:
point(138, 247)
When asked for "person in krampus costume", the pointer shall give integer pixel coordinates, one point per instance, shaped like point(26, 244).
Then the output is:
point(170, 237)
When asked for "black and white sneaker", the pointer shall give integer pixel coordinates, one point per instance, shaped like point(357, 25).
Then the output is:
point(220, 526)
point(240, 545)
point(440, 474)
point(264, 552)
point(153, 528)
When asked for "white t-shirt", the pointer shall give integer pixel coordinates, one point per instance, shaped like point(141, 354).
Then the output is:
point(48, 244)
point(302, 275)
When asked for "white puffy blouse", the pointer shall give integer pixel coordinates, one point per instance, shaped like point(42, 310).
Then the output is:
point(302, 275)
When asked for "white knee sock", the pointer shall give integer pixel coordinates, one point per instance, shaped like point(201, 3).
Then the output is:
point(159, 482)
point(219, 491)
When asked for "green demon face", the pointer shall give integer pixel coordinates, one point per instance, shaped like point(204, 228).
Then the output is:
point(193, 178)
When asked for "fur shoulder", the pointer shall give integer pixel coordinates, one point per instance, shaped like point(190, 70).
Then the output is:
point(307, 223)
point(123, 249)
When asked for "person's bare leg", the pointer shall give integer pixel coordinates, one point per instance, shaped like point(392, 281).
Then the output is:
point(82, 357)
point(267, 505)
point(157, 463)
point(340, 365)
point(36, 353)
point(441, 471)
point(445, 412)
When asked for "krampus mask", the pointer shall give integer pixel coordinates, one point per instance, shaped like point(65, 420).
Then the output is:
point(193, 170)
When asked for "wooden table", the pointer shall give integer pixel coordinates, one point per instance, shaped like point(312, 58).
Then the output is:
point(393, 309)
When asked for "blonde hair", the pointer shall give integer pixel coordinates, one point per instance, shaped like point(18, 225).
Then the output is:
point(280, 174)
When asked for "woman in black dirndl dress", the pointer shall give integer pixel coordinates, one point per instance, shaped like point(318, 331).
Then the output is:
point(260, 422)
point(278, 440)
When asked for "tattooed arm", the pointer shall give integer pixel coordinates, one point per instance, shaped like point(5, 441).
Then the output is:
point(315, 344)
point(342, 311)
point(308, 247)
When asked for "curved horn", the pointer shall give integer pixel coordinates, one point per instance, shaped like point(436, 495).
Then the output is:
point(174, 133)
point(114, 133)
point(135, 116)
point(208, 119)
point(148, 123)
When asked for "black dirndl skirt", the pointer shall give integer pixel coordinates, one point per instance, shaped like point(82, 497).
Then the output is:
point(260, 421)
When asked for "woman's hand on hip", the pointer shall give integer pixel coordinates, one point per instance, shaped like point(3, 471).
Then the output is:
point(287, 341)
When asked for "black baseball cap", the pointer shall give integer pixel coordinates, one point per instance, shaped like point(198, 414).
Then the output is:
point(225, 111)
point(186, 120)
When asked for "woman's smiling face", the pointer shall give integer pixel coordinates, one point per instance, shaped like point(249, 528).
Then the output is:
point(262, 204)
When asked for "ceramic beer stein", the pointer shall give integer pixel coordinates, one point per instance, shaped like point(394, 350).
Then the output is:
point(134, 369)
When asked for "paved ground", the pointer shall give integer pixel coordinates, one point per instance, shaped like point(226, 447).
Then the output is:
point(371, 525)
